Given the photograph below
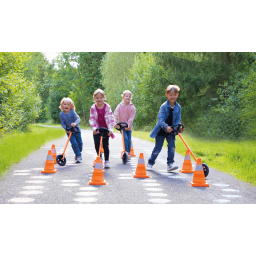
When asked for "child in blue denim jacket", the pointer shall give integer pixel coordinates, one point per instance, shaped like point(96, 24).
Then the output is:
point(169, 115)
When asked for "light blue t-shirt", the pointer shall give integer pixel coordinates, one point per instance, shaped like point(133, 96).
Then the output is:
point(69, 118)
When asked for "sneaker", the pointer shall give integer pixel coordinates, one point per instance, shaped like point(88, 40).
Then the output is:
point(129, 156)
point(171, 167)
point(79, 159)
point(75, 157)
point(107, 164)
point(149, 167)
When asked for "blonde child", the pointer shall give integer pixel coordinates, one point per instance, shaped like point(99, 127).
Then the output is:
point(125, 112)
point(68, 117)
point(101, 116)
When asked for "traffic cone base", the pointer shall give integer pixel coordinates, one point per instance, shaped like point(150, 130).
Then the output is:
point(199, 178)
point(49, 164)
point(141, 168)
point(98, 175)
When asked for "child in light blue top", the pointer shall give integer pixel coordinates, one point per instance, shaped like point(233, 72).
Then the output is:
point(68, 117)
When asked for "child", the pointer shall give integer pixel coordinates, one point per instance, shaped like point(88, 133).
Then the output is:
point(125, 112)
point(169, 115)
point(68, 116)
point(101, 116)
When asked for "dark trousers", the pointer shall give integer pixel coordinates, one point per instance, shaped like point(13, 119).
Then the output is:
point(105, 145)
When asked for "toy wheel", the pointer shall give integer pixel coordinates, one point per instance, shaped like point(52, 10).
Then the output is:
point(60, 161)
point(125, 157)
point(205, 169)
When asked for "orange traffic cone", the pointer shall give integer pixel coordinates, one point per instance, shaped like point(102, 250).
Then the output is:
point(187, 164)
point(141, 168)
point(199, 178)
point(97, 176)
point(132, 151)
point(49, 164)
point(54, 154)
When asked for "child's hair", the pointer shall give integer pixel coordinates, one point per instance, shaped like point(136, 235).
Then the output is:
point(100, 92)
point(174, 88)
point(72, 105)
point(126, 91)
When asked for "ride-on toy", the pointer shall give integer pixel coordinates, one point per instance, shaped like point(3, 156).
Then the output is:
point(124, 154)
point(61, 159)
point(176, 132)
point(103, 133)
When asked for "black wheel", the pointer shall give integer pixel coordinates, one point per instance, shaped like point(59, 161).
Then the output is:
point(60, 161)
point(205, 169)
point(125, 157)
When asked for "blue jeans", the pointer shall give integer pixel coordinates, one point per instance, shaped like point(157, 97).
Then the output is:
point(158, 147)
point(127, 140)
point(76, 143)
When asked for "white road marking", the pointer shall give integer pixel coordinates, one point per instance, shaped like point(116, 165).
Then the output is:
point(21, 174)
point(151, 184)
point(157, 194)
point(33, 187)
point(154, 189)
point(229, 190)
point(85, 199)
point(124, 174)
point(125, 178)
point(148, 180)
point(221, 200)
point(21, 200)
point(22, 171)
point(35, 181)
point(159, 201)
point(88, 188)
point(176, 177)
point(231, 196)
point(220, 185)
point(70, 180)
point(70, 184)
point(41, 177)
point(31, 192)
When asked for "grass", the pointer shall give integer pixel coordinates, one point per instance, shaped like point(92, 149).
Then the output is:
point(237, 158)
point(17, 145)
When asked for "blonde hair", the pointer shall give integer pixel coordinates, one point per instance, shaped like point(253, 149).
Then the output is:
point(72, 105)
point(174, 88)
point(126, 91)
point(100, 92)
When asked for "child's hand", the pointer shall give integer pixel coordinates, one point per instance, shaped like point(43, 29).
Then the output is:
point(181, 130)
point(117, 126)
point(169, 129)
point(94, 132)
point(68, 132)
point(128, 129)
point(73, 124)
point(109, 134)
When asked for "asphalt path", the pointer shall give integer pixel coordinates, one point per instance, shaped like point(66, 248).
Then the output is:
point(24, 182)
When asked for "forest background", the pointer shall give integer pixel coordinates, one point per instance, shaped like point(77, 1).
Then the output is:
point(218, 93)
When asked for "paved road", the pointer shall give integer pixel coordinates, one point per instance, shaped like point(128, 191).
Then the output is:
point(24, 182)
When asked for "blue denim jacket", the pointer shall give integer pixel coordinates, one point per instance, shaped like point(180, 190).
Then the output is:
point(162, 116)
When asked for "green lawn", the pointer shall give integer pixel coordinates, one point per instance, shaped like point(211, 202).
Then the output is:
point(17, 145)
point(237, 158)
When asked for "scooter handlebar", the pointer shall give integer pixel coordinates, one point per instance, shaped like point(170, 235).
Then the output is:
point(176, 129)
point(69, 128)
point(103, 131)
point(122, 125)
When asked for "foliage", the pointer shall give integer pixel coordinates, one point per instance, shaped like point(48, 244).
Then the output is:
point(115, 69)
point(148, 96)
point(19, 102)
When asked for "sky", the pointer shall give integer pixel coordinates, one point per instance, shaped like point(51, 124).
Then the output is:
point(50, 55)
